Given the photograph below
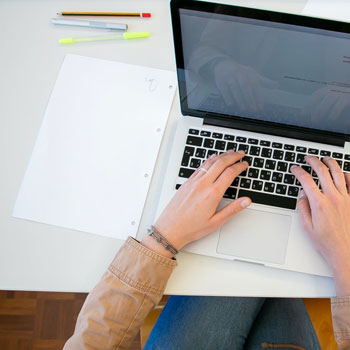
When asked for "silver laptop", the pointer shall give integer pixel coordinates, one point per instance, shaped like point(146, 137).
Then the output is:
point(276, 86)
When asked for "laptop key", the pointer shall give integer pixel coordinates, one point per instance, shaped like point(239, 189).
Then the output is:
point(205, 133)
point(243, 147)
point(231, 145)
point(254, 173)
point(301, 149)
point(245, 183)
point(325, 153)
point(241, 139)
point(195, 163)
point(282, 166)
point(257, 185)
point(289, 147)
point(293, 191)
point(194, 140)
point(231, 193)
point(266, 152)
point(313, 151)
point(265, 175)
point(220, 145)
point(253, 141)
point(277, 154)
point(189, 150)
point(276, 145)
point(340, 163)
point(177, 186)
point(200, 152)
point(235, 182)
point(289, 157)
point(193, 132)
point(269, 187)
point(248, 160)
point(281, 189)
point(346, 166)
point(229, 137)
point(301, 158)
point(270, 164)
point(269, 199)
point(254, 151)
point(347, 157)
point(210, 152)
point(337, 155)
point(289, 179)
point(258, 162)
point(186, 172)
point(208, 143)
point(217, 135)
point(277, 177)
point(185, 159)
point(265, 143)
point(307, 168)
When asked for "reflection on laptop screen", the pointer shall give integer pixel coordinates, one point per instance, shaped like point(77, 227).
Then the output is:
point(268, 71)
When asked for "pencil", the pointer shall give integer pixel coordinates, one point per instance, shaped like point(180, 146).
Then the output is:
point(125, 14)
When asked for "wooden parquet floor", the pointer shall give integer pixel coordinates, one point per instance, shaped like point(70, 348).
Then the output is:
point(39, 320)
point(44, 321)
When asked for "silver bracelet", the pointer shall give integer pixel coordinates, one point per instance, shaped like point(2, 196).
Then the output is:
point(153, 232)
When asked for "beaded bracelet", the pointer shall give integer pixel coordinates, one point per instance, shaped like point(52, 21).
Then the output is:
point(153, 232)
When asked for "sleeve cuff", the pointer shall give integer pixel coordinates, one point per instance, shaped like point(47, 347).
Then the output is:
point(341, 317)
point(142, 268)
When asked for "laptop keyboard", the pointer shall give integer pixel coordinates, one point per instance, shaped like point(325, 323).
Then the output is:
point(268, 179)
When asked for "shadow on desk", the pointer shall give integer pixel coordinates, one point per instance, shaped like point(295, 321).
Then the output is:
point(45, 320)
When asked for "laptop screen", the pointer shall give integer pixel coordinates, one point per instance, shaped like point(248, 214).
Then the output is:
point(265, 70)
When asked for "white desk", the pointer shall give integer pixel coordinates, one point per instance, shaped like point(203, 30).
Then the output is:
point(35, 256)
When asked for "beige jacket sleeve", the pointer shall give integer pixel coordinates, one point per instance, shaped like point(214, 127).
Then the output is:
point(341, 321)
point(133, 284)
point(116, 308)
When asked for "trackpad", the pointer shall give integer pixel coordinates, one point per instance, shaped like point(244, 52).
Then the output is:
point(255, 234)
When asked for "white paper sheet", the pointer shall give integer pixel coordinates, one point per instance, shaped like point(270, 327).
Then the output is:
point(333, 9)
point(94, 157)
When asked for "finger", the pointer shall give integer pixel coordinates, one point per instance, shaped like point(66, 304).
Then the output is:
point(347, 180)
point(337, 174)
point(229, 174)
point(206, 165)
point(230, 210)
point(312, 191)
point(323, 174)
point(305, 212)
point(222, 162)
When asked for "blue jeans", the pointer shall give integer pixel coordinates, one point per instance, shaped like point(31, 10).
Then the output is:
point(220, 323)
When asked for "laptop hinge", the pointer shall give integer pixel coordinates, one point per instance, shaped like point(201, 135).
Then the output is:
point(285, 131)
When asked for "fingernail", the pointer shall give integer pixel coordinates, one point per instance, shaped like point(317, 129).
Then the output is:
point(212, 156)
point(326, 158)
point(246, 203)
point(293, 167)
point(241, 152)
point(301, 194)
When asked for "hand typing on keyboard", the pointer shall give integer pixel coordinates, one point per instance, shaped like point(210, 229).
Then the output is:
point(326, 215)
point(191, 214)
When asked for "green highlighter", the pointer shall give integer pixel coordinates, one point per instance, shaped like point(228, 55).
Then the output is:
point(135, 35)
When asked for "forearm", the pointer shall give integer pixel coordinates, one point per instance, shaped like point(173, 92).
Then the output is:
point(116, 308)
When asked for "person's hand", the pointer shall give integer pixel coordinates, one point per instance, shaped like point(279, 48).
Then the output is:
point(326, 215)
point(241, 86)
point(192, 213)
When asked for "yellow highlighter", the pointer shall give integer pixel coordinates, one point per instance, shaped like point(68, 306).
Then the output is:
point(134, 35)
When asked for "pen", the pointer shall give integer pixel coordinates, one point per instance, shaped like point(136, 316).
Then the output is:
point(90, 24)
point(127, 14)
point(134, 35)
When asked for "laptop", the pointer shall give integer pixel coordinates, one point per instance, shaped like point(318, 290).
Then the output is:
point(272, 84)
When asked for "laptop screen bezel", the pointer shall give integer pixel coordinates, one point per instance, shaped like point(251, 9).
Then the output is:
point(265, 15)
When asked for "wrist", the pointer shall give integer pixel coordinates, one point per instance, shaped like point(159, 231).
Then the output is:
point(341, 275)
point(150, 243)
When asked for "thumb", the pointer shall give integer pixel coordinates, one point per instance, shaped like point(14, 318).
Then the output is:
point(230, 210)
point(305, 212)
